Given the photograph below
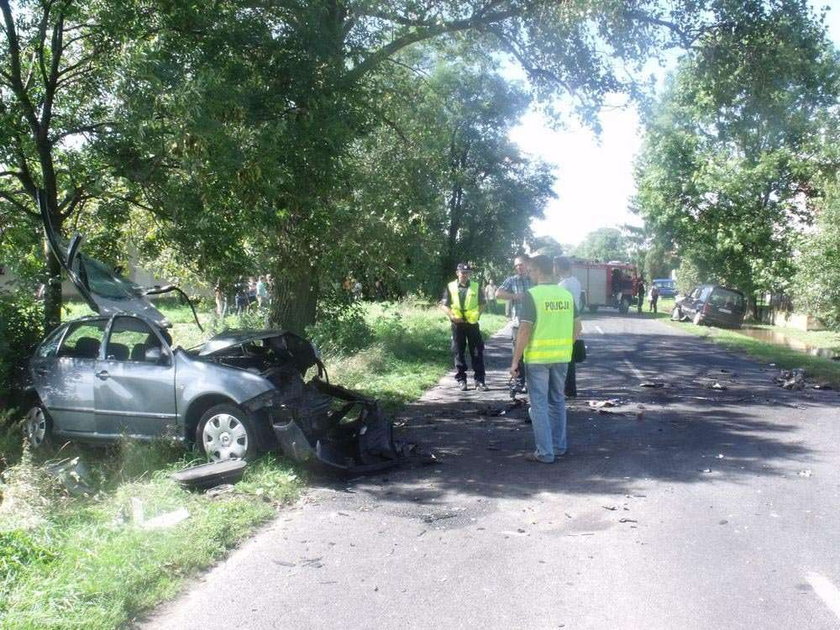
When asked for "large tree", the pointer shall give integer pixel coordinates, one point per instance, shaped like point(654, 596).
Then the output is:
point(727, 173)
point(603, 244)
point(252, 110)
point(57, 59)
point(440, 181)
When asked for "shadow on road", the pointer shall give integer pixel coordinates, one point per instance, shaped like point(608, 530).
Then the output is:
point(711, 417)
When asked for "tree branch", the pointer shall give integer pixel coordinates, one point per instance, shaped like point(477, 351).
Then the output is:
point(15, 76)
point(17, 204)
point(423, 32)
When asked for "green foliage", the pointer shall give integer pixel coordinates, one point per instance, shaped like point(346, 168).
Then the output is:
point(817, 282)
point(21, 328)
point(49, 577)
point(735, 146)
point(340, 329)
point(603, 244)
point(18, 551)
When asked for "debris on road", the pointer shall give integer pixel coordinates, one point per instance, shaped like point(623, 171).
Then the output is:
point(599, 404)
point(805, 473)
point(652, 384)
point(793, 380)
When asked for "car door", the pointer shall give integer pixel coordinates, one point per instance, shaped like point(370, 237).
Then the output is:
point(64, 378)
point(135, 382)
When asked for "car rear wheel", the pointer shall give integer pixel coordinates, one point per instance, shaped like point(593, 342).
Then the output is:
point(226, 432)
point(698, 320)
point(38, 427)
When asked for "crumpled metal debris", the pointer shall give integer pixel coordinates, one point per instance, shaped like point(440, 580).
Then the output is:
point(72, 473)
point(793, 380)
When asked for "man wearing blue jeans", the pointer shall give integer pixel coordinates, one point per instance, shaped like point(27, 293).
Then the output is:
point(548, 327)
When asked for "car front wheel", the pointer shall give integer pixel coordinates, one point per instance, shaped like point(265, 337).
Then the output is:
point(226, 432)
point(38, 427)
point(698, 320)
point(676, 314)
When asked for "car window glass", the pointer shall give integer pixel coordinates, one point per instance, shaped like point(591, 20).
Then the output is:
point(696, 293)
point(83, 339)
point(704, 294)
point(49, 347)
point(130, 340)
point(722, 298)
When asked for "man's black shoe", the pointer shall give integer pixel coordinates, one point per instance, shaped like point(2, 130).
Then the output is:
point(480, 385)
point(463, 386)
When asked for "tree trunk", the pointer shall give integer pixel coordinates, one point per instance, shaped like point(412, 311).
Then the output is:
point(52, 291)
point(295, 297)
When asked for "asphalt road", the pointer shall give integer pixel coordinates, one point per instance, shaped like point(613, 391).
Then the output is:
point(712, 501)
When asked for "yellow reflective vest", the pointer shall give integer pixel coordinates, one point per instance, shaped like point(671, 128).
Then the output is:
point(553, 335)
point(470, 311)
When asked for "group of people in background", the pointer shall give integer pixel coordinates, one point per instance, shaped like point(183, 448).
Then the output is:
point(544, 326)
point(248, 293)
point(639, 292)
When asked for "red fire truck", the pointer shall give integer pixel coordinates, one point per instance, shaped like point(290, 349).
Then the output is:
point(605, 284)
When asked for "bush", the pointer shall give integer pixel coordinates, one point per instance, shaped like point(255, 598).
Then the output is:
point(818, 276)
point(341, 330)
point(21, 328)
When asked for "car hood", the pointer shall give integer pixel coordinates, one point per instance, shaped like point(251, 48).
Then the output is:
point(104, 290)
point(233, 338)
point(279, 344)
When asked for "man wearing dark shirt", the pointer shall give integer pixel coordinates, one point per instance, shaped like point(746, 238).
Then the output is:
point(463, 301)
point(513, 289)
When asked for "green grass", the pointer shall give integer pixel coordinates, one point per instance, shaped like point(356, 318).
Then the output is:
point(81, 562)
point(409, 352)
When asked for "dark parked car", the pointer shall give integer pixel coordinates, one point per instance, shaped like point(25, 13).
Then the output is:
point(667, 287)
point(711, 304)
point(115, 375)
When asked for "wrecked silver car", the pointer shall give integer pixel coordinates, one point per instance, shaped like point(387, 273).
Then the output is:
point(241, 393)
point(118, 374)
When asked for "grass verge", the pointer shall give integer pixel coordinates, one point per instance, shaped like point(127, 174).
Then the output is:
point(409, 352)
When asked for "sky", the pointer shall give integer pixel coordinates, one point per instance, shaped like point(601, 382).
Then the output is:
point(594, 176)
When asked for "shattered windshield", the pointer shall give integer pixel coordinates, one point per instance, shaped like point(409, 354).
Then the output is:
point(102, 281)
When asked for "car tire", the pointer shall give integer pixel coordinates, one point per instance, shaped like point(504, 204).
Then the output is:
point(698, 320)
point(593, 308)
point(37, 425)
point(226, 432)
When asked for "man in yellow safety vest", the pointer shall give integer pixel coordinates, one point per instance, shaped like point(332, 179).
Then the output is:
point(463, 301)
point(549, 324)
